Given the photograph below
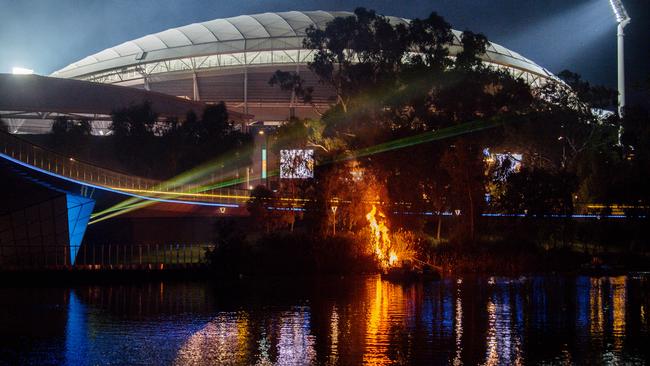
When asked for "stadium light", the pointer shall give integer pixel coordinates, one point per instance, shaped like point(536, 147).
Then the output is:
point(623, 19)
point(21, 71)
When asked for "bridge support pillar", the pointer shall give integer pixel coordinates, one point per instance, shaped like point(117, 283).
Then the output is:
point(79, 210)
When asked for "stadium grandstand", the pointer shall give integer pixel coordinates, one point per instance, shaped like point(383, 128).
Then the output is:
point(232, 60)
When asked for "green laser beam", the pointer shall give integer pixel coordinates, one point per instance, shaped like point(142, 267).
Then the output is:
point(430, 136)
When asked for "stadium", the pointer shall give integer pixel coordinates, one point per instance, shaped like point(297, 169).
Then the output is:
point(232, 60)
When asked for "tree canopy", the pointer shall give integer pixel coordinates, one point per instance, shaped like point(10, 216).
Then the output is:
point(392, 82)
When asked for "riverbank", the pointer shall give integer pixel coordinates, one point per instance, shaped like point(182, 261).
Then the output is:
point(512, 263)
point(106, 274)
point(298, 255)
point(466, 268)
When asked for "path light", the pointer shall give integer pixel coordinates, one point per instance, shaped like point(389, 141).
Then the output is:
point(334, 208)
point(623, 19)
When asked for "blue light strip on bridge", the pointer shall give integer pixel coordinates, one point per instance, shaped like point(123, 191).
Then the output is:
point(79, 210)
point(16, 161)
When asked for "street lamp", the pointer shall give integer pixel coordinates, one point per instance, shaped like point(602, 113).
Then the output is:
point(623, 19)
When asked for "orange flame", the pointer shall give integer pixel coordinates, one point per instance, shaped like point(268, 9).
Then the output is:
point(381, 238)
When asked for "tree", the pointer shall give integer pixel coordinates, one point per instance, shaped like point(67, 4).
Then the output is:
point(292, 82)
point(61, 126)
point(135, 135)
point(230, 245)
point(392, 82)
point(166, 147)
point(69, 135)
point(354, 53)
point(135, 121)
point(636, 140)
point(215, 123)
point(596, 96)
point(474, 45)
point(538, 192)
point(213, 135)
point(261, 198)
point(428, 38)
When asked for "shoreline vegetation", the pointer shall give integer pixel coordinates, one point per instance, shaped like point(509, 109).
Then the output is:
point(554, 262)
point(580, 249)
point(299, 254)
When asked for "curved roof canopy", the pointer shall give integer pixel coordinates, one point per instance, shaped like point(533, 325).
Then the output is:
point(258, 32)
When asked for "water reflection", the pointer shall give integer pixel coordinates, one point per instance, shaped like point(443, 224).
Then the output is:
point(490, 321)
point(76, 334)
point(458, 321)
point(504, 335)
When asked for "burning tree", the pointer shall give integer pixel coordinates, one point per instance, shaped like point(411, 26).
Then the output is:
point(388, 248)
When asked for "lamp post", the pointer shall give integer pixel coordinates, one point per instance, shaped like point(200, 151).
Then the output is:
point(334, 219)
point(623, 19)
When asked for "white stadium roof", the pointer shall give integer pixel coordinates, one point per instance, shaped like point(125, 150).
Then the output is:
point(247, 33)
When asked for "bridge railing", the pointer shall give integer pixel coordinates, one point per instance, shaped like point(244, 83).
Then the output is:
point(20, 257)
point(84, 172)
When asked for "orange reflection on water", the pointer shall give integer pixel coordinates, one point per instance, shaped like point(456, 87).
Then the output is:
point(376, 332)
point(596, 316)
point(334, 335)
point(619, 299)
point(608, 294)
point(390, 308)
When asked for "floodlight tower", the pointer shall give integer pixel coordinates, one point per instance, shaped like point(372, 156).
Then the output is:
point(623, 19)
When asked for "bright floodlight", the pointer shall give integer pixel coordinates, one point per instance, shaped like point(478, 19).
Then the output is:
point(623, 19)
point(21, 71)
point(619, 11)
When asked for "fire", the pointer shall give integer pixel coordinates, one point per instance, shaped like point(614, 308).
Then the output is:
point(381, 238)
point(390, 248)
point(392, 258)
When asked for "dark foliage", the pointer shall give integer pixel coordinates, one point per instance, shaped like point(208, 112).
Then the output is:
point(397, 82)
point(288, 254)
point(162, 149)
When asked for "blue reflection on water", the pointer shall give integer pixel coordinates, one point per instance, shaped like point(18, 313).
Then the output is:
point(76, 332)
point(534, 320)
point(583, 287)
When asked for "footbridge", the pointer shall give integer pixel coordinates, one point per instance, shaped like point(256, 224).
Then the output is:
point(83, 174)
point(79, 183)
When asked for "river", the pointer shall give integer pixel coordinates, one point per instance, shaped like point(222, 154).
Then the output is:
point(552, 319)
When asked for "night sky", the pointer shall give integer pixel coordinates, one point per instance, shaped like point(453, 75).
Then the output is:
point(579, 35)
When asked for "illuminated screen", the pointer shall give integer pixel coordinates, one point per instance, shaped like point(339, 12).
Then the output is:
point(296, 164)
point(513, 159)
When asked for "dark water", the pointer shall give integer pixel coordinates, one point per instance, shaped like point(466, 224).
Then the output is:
point(362, 320)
